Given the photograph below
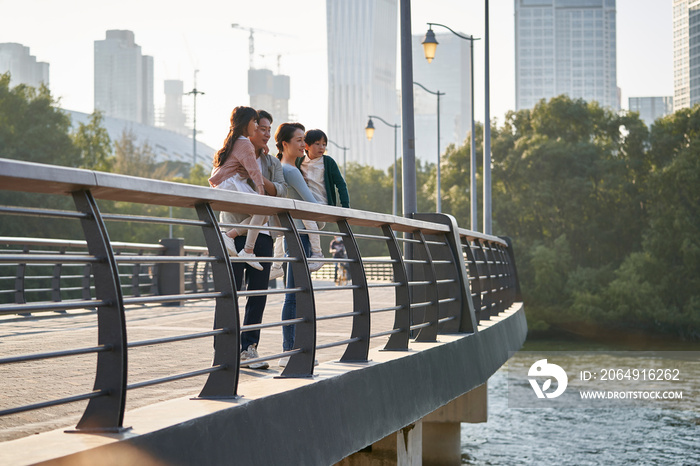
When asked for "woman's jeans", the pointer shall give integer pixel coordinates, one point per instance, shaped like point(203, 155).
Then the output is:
point(289, 310)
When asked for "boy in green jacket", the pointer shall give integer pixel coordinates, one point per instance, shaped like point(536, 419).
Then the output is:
point(321, 172)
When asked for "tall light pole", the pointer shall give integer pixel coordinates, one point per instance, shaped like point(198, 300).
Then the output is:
point(194, 92)
point(408, 133)
point(369, 131)
point(487, 130)
point(429, 47)
point(438, 203)
point(344, 149)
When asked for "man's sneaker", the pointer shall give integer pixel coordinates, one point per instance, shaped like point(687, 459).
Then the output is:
point(276, 271)
point(252, 353)
point(254, 264)
point(314, 266)
point(230, 245)
point(244, 357)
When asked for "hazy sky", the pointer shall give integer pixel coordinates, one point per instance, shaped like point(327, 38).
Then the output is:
point(186, 35)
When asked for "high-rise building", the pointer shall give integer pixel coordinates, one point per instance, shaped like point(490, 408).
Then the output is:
point(686, 53)
point(23, 67)
point(362, 78)
point(565, 47)
point(270, 92)
point(449, 72)
point(123, 78)
point(651, 108)
point(174, 118)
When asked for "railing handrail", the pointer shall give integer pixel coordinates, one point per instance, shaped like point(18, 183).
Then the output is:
point(52, 179)
point(67, 243)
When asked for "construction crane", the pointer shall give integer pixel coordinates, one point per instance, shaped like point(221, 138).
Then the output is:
point(251, 40)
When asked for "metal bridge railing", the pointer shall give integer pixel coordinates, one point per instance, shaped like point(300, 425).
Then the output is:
point(445, 279)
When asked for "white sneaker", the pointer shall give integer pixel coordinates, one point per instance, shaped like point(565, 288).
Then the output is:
point(230, 245)
point(276, 271)
point(245, 355)
point(254, 264)
point(252, 353)
point(314, 266)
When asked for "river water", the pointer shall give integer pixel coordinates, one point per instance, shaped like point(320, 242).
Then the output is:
point(650, 432)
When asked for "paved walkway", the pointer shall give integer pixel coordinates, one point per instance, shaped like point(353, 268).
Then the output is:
point(38, 381)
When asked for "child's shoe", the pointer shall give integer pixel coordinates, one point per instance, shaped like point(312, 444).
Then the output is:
point(254, 264)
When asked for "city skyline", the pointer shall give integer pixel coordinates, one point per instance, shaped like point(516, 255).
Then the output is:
point(182, 40)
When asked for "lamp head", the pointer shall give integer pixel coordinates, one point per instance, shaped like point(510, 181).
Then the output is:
point(369, 130)
point(429, 45)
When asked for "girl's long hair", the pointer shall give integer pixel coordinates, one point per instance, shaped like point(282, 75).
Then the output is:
point(240, 118)
point(285, 133)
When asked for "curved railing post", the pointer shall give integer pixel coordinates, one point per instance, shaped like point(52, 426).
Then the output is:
point(20, 285)
point(106, 412)
point(136, 277)
point(474, 280)
point(430, 293)
point(402, 316)
point(85, 282)
point(300, 364)
point(490, 278)
point(467, 321)
point(222, 383)
point(512, 269)
point(502, 278)
point(56, 279)
point(357, 350)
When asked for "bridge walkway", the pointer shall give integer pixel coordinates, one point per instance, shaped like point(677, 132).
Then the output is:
point(66, 376)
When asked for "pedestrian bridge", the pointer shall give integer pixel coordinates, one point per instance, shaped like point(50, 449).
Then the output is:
point(431, 312)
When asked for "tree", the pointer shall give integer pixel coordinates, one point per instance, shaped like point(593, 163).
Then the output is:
point(659, 287)
point(32, 127)
point(94, 144)
point(569, 188)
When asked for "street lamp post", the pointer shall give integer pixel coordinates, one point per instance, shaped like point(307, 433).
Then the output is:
point(429, 47)
point(487, 129)
point(194, 92)
point(344, 149)
point(438, 203)
point(369, 131)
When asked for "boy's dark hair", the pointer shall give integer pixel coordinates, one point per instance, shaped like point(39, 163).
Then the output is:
point(264, 114)
point(314, 135)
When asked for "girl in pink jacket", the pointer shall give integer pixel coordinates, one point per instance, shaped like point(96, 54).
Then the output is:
point(235, 166)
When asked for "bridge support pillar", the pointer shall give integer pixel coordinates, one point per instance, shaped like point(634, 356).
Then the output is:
point(433, 440)
point(402, 448)
point(442, 428)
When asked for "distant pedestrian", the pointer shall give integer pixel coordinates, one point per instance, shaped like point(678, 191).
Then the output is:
point(337, 249)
